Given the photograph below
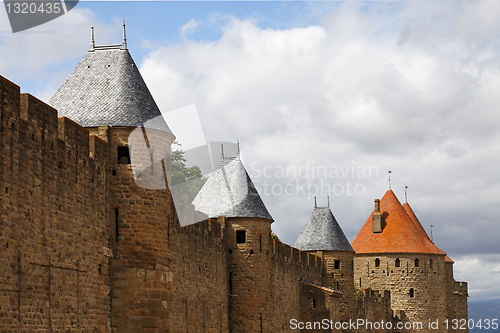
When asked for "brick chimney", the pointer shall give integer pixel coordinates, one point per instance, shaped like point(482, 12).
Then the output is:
point(377, 218)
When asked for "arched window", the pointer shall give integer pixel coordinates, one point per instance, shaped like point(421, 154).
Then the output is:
point(377, 262)
point(398, 262)
point(417, 262)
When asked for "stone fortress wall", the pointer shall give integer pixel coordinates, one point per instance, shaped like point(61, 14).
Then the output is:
point(84, 249)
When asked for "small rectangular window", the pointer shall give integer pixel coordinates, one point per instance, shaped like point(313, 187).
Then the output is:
point(336, 264)
point(241, 236)
point(123, 155)
point(412, 293)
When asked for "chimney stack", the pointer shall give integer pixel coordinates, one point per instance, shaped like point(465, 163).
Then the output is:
point(377, 218)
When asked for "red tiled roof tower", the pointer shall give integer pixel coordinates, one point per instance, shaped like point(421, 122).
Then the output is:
point(401, 231)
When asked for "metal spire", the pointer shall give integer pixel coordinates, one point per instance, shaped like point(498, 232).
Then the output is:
point(389, 174)
point(432, 240)
point(92, 41)
point(315, 204)
point(124, 43)
point(328, 199)
point(406, 193)
point(222, 150)
point(238, 144)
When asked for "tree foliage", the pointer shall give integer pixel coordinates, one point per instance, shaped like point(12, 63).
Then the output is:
point(187, 181)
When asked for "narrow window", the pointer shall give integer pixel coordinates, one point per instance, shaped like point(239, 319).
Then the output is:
point(314, 303)
point(117, 233)
point(241, 236)
point(430, 264)
point(260, 318)
point(377, 262)
point(260, 243)
point(336, 264)
point(398, 262)
point(412, 293)
point(359, 282)
point(123, 155)
point(338, 285)
point(417, 262)
point(230, 283)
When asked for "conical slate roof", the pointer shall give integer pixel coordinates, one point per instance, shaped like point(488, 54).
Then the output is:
point(400, 234)
point(322, 233)
point(230, 192)
point(106, 88)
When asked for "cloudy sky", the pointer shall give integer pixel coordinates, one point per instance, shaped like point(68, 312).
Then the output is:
point(325, 98)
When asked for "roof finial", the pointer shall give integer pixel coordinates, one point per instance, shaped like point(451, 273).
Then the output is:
point(431, 233)
point(406, 193)
point(92, 41)
point(315, 204)
point(222, 150)
point(238, 144)
point(124, 43)
point(328, 199)
point(389, 174)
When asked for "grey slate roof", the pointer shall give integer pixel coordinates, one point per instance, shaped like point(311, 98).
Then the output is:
point(322, 233)
point(230, 192)
point(106, 88)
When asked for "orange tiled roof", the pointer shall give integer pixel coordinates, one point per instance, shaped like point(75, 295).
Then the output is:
point(448, 259)
point(414, 219)
point(400, 233)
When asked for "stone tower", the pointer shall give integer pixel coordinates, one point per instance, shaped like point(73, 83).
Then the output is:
point(323, 236)
point(230, 196)
point(393, 252)
point(106, 94)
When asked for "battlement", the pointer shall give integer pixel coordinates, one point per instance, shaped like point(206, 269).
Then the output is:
point(461, 288)
point(284, 254)
point(36, 125)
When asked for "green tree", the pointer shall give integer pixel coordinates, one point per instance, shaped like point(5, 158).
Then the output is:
point(186, 181)
point(274, 236)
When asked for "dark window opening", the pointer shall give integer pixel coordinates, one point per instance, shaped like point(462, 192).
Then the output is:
point(377, 262)
point(241, 236)
point(338, 285)
point(360, 282)
point(398, 262)
point(260, 318)
point(117, 213)
point(231, 283)
point(123, 155)
point(417, 262)
point(251, 251)
point(314, 303)
point(336, 264)
point(430, 264)
point(260, 243)
point(412, 293)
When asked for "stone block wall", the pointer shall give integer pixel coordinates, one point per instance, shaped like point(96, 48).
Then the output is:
point(418, 289)
point(53, 226)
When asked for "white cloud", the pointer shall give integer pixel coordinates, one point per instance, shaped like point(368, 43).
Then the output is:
point(412, 87)
point(189, 27)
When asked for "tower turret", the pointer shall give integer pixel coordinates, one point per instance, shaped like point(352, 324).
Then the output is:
point(106, 94)
point(323, 235)
point(401, 258)
point(230, 195)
